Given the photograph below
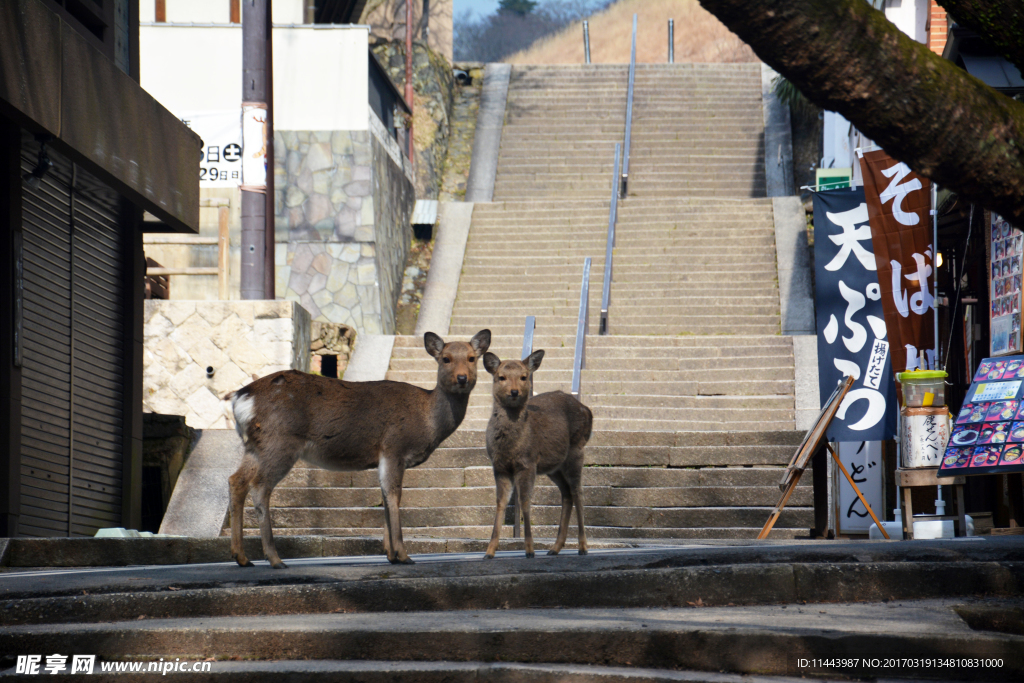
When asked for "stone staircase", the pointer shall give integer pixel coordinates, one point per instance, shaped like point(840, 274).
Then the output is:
point(693, 390)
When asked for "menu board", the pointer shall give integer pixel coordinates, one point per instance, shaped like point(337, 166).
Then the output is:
point(1007, 244)
point(988, 433)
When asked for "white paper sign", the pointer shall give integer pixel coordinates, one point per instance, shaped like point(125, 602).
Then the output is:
point(996, 391)
point(863, 460)
point(221, 131)
point(254, 146)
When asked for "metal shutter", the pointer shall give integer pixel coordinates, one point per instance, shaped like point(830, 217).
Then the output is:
point(99, 357)
point(74, 356)
point(46, 383)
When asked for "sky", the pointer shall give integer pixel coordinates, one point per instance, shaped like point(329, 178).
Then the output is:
point(479, 7)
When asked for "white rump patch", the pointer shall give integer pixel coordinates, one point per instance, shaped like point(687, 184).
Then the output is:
point(243, 407)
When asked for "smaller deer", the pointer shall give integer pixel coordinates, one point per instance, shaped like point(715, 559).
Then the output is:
point(525, 436)
point(346, 426)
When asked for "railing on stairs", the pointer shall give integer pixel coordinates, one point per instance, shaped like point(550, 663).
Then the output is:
point(579, 356)
point(629, 114)
point(609, 247)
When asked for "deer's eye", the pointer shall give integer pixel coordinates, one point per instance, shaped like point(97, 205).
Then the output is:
point(523, 378)
point(472, 359)
point(447, 359)
point(502, 378)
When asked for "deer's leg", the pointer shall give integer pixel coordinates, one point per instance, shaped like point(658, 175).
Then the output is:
point(575, 479)
point(503, 490)
point(239, 483)
point(524, 484)
point(390, 473)
point(272, 464)
point(563, 522)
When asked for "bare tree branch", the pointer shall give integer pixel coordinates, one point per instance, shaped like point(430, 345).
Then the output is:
point(848, 58)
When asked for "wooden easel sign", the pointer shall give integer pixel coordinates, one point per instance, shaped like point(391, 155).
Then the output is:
point(803, 455)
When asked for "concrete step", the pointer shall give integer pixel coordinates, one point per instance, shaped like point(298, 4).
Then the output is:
point(596, 363)
point(545, 515)
point(514, 340)
point(478, 473)
point(545, 494)
point(788, 527)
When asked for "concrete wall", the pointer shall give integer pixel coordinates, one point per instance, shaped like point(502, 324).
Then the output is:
point(236, 338)
point(216, 11)
point(320, 75)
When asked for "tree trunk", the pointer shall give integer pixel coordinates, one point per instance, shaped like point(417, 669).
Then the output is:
point(848, 58)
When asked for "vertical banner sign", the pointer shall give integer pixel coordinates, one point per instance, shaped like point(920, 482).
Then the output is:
point(1005, 275)
point(899, 203)
point(254, 146)
point(221, 162)
point(848, 309)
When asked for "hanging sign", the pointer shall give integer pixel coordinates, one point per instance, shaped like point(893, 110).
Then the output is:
point(254, 146)
point(851, 330)
point(899, 203)
point(1005, 288)
point(220, 164)
point(988, 434)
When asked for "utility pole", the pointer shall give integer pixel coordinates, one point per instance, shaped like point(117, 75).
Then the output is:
point(257, 272)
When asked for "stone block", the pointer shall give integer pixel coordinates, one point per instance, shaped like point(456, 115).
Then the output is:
point(247, 357)
point(158, 326)
point(358, 188)
point(317, 283)
point(206, 354)
point(273, 309)
point(366, 273)
point(165, 402)
point(228, 377)
point(168, 354)
point(341, 142)
point(177, 311)
point(294, 197)
point(322, 263)
point(363, 233)
point(318, 208)
point(187, 381)
point(338, 276)
point(207, 406)
point(229, 331)
point(319, 157)
point(214, 312)
point(349, 253)
point(188, 336)
point(322, 298)
point(268, 330)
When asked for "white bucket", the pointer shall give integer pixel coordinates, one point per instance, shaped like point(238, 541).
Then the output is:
point(925, 434)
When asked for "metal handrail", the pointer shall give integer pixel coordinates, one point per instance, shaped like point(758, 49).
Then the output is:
point(579, 357)
point(586, 42)
point(609, 248)
point(629, 114)
point(671, 41)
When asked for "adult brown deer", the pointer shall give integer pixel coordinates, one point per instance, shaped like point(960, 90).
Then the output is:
point(544, 434)
point(346, 426)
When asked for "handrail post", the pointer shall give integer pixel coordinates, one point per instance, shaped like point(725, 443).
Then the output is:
point(579, 357)
point(609, 247)
point(586, 42)
point(671, 42)
point(629, 115)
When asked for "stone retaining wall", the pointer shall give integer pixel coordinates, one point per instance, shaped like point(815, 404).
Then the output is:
point(236, 339)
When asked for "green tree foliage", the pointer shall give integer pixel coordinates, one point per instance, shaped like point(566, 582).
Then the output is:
point(520, 7)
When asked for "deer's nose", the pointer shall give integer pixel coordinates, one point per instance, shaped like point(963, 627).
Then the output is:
point(462, 380)
point(515, 393)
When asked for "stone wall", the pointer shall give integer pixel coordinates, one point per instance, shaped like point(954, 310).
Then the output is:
point(236, 339)
point(343, 204)
point(434, 86)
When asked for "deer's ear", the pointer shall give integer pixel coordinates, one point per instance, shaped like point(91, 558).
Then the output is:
point(534, 359)
point(491, 363)
point(433, 344)
point(481, 341)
